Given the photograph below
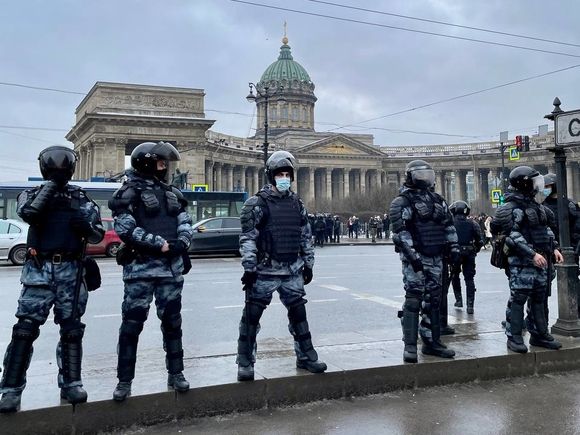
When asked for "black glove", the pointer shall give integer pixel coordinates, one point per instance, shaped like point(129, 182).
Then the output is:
point(176, 247)
point(249, 279)
point(417, 265)
point(80, 225)
point(307, 274)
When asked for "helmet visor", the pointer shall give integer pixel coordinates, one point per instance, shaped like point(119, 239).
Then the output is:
point(166, 151)
point(423, 177)
point(58, 158)
point(538, 183)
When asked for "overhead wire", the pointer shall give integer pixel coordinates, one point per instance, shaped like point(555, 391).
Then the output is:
point(444, 23)
point(405, 29)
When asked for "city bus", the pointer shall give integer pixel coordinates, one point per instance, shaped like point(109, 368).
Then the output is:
point(202, 205)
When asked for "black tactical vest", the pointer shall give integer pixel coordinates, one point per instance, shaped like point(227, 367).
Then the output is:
point(55, 234)
point(280, 236)
point(153, 213)
point(465, 231)
point(535, 227)
point(428, 225)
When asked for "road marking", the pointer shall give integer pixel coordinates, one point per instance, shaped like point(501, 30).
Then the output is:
point(337, 288)
point(102, 316)
point(323, 300)
point(222, 282)
point(377, 299)
point(228, 306)
point(493, 291)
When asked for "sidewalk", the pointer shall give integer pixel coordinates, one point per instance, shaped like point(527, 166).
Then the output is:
point(359, 363)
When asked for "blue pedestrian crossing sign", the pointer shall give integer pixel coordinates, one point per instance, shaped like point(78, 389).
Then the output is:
point(514, 153)
point(495, 196)
point(199, 187)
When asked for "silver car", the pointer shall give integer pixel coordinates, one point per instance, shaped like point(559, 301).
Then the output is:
point(13, 235)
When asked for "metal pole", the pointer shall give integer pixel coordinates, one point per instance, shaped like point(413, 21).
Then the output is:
point(266, 96)
point(567, 323)
point(502, 149)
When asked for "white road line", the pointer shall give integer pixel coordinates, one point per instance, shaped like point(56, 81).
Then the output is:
point(102, 316)
point(222, 282)
point(337, 288)
point(228, 306)
point(488, 292)
point(323, 300)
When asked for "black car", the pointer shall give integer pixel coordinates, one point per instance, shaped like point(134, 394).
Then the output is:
point(216, 235)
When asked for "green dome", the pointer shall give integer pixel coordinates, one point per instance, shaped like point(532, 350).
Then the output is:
point(285, 68)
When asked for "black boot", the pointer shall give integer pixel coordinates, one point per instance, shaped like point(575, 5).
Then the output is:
point(457, 292)
point(10, 402)
point(306, 356)
point(127, 350)
point(434, 346)
point(410, 324)
point(16, 362)
point(447, 330)
point(172, 344)
point(542, 338)
point(70, 351)
point(122, 391)
point(247, 346)
point(515, 342)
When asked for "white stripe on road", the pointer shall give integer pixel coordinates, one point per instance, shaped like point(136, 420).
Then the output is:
point(222, 282)
point(228, 306)
point(493, 291)
point(323, 300)
point(102, 316)
point(221, 307)
point(337, 288)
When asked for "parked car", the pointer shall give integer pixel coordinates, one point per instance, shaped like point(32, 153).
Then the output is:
point(216, 235)
point(110, 243)
point(13, 235)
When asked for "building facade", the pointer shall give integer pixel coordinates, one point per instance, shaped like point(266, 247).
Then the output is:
point(113, 118)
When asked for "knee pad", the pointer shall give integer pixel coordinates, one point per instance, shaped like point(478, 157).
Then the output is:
point(519, 298)
point(26, 329)
point(412, 304)
point(133, 321)
point(297, 313)
point(172, 315)
point(72, 330)
point(254, 312)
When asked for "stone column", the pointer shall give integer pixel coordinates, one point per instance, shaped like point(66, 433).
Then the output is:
point(346, 182)
point(485, 194)
point(229, 178)
point(377, 180)
point(218, 176)
point(256, 185)
point(310, 180)
point(440, 182)
point(476, 190)
point(328, 184)
point(363, 176)
point(208, 174)
point(460, 187)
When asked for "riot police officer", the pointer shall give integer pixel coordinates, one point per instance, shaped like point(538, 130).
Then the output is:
point(526, 225)
point(62, 220)
point(151, 219)
point(277, 255)
point(470, 241)
point(422, 230)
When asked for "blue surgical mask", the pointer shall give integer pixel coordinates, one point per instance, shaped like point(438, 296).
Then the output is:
point(283, 184)
point(547, 191)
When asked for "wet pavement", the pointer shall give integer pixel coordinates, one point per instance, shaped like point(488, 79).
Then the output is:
point(547, 404)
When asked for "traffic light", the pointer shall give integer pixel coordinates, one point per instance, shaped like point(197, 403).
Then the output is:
point(519, 143)
point(526, 143)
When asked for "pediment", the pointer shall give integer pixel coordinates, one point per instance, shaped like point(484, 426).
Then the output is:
point(338, 145)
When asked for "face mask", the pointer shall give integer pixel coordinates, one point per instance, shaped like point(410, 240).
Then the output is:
point(547, 191)
point(161, 174)
point(283, 184)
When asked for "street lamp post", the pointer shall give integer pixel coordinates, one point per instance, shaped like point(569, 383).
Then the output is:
point(567, 323)
point(265, 94)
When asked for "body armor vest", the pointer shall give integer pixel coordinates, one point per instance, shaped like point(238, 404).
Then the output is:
point(153, 214)
point(535, 226)
point(428, 227)
point(55, 234)
point(465, 231)
point(280, 237)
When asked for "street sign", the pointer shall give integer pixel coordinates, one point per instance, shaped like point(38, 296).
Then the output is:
point(514, 153)
point(567, 127)
point(199, 187)
point(495, 195)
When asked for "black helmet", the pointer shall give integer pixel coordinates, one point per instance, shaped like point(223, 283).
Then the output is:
point(280, 161)
point(460, 207)
point(526, 180)
point(57, 163)
point(145, 156)
point(419, 174)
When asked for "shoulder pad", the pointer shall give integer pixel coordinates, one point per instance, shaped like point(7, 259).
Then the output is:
point(253, 201)
point(401, 200)
point(177, 192)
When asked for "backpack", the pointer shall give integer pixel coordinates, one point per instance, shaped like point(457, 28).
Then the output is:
point(499, 252)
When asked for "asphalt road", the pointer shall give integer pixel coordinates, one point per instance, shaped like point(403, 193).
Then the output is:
point(356, 290)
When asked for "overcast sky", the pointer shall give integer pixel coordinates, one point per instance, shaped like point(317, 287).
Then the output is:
point(360, 71)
